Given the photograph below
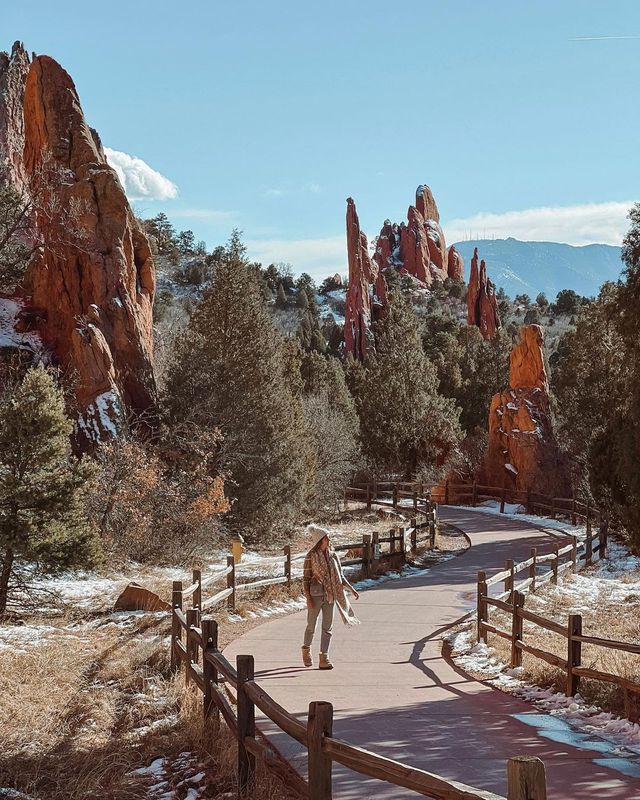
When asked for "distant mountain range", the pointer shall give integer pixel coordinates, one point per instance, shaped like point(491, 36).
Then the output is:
point(533, 267)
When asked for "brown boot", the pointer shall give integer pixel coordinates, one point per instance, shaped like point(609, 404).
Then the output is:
point(324, 662)
point(306, 656)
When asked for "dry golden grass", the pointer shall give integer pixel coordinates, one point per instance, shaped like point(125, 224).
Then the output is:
point(79, 715)
point(607, 618)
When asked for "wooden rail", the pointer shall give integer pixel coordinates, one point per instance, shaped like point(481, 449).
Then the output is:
point(369, 554)
point(194, 644)
point(576, 555)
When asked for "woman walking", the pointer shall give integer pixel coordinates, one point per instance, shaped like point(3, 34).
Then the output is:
point(324, 587)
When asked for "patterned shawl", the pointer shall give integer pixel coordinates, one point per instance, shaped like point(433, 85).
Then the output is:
point(327, 570)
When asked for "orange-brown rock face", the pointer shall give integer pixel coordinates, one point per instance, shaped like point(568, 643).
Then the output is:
point(94, 279)
point(414, 247)
point(358, 336)
point(455, 265)
point(522, 452)
point(482, 305)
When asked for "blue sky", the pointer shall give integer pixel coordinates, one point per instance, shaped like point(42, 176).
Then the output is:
point(267, 115)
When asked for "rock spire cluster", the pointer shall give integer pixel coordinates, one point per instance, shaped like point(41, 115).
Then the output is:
point(92, 281)
point(415, 248)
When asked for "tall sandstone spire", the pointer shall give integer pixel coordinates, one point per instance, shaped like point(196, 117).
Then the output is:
point(482, 304)
point(93, 279)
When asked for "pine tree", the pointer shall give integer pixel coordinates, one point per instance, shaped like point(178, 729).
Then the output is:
point(42, 487)
point(281, 297)
point(406, 425)
point(231, 370)
point(302, 300)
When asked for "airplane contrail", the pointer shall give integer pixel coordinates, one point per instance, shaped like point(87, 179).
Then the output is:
point(600, 38)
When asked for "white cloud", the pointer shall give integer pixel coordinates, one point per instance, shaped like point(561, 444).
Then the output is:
point(318, 257)
point(604, 223)
point(138, 179)
point(274, 192)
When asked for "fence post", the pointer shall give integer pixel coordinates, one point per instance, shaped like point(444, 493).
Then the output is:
point(533, 569)
point(446, 493)
point(602, 541)
point(287, 563)
point(517, 627)
point(402, 541)
point(502, 500)
point(574, 553)
point(554, 565)
point(604, 527)
point(395, 495)
point(574, 652)
point(588, 547)
point(192, 646)
point(481, 606)
point(197, 593)
point(366, 554)
point(246, 727)
point(573, 511)
point(375, 548)
point(414, 536)
point(209, 672)
point(368, 497)
point(473, 494)
point(526, 779)
point(432, 529)
point(319, 725)
point(176, 627)
point(231, 583)
point(509, 580)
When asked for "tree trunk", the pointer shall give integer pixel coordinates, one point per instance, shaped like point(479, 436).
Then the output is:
point(7, 566)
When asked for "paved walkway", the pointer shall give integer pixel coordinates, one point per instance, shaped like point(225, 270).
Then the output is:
point(393, 693)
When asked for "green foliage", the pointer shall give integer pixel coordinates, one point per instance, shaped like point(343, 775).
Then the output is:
point(42, 486)
point(522, 300)
point(406, 425)
point(231, 370)
point(470, 369)
point(532, 317)
point(281, 297)
point(567, 302)
point(542, 302)
point(330, 284)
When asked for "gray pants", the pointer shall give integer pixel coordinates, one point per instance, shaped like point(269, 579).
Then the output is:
point(319, 604)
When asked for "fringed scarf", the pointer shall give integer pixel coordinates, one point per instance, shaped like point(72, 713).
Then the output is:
point(327, 570)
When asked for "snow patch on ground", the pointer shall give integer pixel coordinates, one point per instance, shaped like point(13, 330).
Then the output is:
point(9, 336)
point(480, 659)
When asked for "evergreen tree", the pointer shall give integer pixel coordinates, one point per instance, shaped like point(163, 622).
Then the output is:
point(231, 370)
point(592, 356)
point(302, 300)
point(43, 527)
point(281, 297)
point(406, 425)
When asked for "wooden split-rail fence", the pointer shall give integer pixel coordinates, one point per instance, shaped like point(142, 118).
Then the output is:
point(527, 577)
point(373, 554)
point(232, 693)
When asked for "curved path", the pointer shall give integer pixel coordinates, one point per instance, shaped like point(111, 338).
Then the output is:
point(393, 693)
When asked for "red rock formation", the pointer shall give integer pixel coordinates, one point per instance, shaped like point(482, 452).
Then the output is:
point(455, 265)
point(522, 452)
point(414, 247)
point(358, 336)
point(482, 305)
point(95, 279)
